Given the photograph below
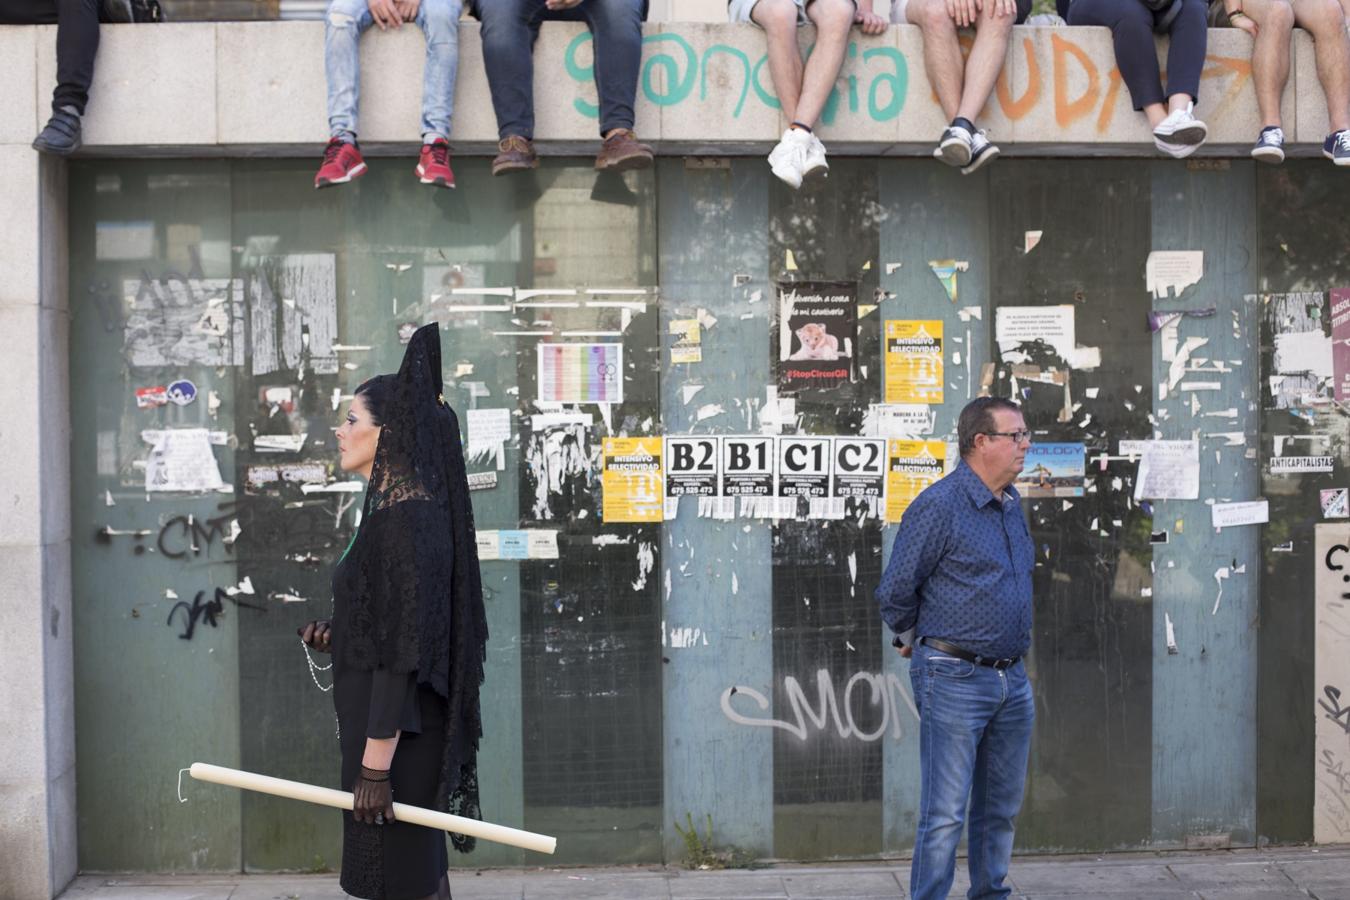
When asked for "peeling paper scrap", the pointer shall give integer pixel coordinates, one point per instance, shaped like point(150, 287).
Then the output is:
point(966, 313)
point(1030, 239)
point(945, 270)
point(1200, 386)
point(1171, 636)
point(1173, 270)
point(1177, 368)
point(892, 266)
point(1248, 512)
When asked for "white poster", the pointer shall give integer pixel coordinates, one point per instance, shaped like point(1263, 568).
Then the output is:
point(1169, 470)
point(181, 459)
point(1331, 687)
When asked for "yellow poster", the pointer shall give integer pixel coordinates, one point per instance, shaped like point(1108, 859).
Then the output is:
point(911, 466)
point(631, 480)
point(913, 361)
point(688, 341)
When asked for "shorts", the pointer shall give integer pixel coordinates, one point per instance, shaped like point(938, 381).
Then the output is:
point(898, 8)
point(738, 11)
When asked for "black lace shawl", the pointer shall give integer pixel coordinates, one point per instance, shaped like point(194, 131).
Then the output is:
point(420, 606)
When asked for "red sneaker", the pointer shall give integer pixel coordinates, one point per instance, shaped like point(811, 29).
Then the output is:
point(341, 163)
point(433, 166)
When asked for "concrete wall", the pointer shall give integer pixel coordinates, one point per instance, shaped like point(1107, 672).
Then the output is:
point(220, 87)
point(232, 89)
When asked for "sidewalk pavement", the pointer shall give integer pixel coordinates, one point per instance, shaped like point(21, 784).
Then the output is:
point(1322, 873)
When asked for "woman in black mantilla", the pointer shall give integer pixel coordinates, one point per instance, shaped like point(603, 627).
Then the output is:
point(408, 632)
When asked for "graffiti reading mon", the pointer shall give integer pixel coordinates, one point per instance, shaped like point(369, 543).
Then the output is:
point(831, 706)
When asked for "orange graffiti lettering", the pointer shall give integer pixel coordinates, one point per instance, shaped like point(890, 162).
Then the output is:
point(1113, 83)
point(1016, 109)
point(1069, 111)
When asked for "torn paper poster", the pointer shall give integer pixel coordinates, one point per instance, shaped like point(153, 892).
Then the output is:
point(1169, 272)
point(1168, 318)
point(260, 477)
point(1180, 359)
point(1171, 636)
point(513, 544)
point(1293, 465)
point(817, 333)
point(1340, 343)
point(558, 464)
point(911, 466)
point(859, 474)
point(1221, 575)
point(1335, 503)
point(1052, 470)
point(803, 468)
point(279, 443)
point(687, 347)
point(181, 459)
point(898, 420)
point(631, 480)
point(945, 270)
point(748, 466)
point(1015, 327)
point(489, 431)
point(580, 373)
point(1030, 239)
point(293, 313)
point(541, 543)
point(1169, 470)
point(914, 361)
point(180, 322)
point(691, 466)
point(1247, 512)
point(1305, 352)
point(482, 481)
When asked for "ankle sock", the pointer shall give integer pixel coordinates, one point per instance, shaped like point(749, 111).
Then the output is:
point(962, 122)
point(800, 127)
point(1271, 128)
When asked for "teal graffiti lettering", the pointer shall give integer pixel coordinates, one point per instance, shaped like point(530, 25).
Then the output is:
point(898, 83)
point(679, 67)
point(745, 83)
point(589, 110)
point(676, 88)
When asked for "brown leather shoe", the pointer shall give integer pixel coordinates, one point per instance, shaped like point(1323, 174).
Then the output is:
point(516, 154)
point(621, 151)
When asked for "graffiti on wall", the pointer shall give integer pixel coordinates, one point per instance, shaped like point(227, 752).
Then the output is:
point(833, 708)
point(876, 82)
point(1331, 797)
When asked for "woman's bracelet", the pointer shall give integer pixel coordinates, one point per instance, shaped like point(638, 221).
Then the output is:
point(1235, 13)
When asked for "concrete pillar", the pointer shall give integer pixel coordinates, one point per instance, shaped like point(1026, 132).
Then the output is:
point(37, 732)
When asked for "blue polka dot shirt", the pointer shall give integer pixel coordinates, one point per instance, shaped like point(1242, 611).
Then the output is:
point(960, 568)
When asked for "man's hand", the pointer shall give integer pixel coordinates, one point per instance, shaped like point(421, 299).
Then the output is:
point(560, 5)
point(964, 12)
point(1241, 20)
point(385, 13)
point(869, 22)
point(407, 9)
point(906, 651)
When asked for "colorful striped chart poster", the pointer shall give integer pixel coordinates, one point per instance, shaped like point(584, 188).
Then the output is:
point(581, 373)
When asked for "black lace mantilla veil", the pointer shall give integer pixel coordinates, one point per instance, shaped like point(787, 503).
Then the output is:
point(424, 594)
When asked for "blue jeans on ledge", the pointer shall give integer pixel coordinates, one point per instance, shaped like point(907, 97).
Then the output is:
point(975, 727)
point(510, 28)
point(346, 20)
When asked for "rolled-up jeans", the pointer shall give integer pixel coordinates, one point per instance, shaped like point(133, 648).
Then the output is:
point(346, 20)
point(975, 727)
point(510, 28)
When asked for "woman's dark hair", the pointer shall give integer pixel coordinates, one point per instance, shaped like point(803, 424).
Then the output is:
point(375, 393)
point(978, 418)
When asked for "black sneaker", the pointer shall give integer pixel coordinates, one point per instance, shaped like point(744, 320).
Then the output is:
point(1337, 148)
point(982, 151)
point(1269, 147)
point(61, 137)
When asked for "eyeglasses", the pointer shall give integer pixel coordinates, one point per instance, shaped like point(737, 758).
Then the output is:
point(1017, 436)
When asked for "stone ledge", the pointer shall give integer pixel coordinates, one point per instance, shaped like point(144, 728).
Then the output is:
point(227, 88)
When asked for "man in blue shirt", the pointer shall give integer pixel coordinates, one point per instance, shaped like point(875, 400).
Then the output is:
point(960, 576)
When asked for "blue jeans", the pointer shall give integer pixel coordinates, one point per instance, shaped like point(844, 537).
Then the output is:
point(510, 28)
point(347, 19)
point(975, 728)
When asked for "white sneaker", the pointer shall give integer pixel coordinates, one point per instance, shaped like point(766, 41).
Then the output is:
point(955, 147)
point(1177, 151)
point(813, 161)
point(788, 158)
point(1181, 127)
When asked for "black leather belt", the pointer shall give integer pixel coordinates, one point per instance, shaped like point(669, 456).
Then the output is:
point(953, 650)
